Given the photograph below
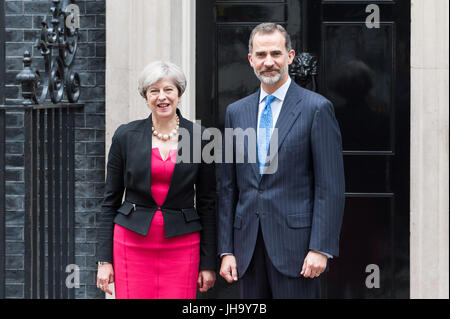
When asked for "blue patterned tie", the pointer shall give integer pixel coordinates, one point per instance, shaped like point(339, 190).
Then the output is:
point(264, 133)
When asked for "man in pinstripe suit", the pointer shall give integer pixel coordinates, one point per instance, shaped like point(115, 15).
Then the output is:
point(278, 228)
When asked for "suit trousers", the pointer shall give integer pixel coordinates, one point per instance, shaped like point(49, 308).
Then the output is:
point(263, 281)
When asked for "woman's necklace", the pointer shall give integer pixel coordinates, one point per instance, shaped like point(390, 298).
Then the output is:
point(166, 137)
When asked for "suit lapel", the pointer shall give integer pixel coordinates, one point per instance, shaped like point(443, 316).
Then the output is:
point(252, 122)
point(148, 151)
point(289, 113)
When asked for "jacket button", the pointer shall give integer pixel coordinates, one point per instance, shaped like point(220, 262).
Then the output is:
point(260, 191)
point(257, 214)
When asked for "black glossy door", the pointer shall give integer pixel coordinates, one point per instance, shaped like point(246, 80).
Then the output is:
point(365, 73)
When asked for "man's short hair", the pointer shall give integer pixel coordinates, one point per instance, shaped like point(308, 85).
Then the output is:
point(268, 28)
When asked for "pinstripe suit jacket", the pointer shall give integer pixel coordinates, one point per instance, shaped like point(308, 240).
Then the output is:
point(300, 206)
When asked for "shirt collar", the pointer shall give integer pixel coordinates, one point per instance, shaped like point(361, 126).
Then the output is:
point(280, 94)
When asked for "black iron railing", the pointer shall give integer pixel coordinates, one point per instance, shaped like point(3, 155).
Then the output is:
point(49, 226)
point(49, 199)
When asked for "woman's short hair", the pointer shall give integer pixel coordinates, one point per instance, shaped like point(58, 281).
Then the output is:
point(159, 70)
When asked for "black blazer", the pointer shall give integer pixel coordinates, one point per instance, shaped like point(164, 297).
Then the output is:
point(129, 170)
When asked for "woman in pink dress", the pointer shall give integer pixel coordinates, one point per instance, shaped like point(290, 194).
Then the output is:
point(160, 241)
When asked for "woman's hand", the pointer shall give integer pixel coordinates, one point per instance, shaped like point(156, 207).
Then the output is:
point(105, 276)
point(206, 280)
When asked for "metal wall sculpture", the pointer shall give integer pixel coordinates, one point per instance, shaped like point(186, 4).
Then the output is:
point(58, 45)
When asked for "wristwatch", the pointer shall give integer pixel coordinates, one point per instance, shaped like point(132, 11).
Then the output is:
point(101, 263)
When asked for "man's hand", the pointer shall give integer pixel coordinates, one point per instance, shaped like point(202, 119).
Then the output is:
point(228, 269)
point(314, 264)
point(206, 280)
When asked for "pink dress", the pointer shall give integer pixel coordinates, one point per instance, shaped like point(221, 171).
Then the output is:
point(153, 266)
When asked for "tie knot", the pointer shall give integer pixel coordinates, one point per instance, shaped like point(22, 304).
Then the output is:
point(269, 99)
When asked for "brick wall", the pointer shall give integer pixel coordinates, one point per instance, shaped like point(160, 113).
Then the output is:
point(22, 22)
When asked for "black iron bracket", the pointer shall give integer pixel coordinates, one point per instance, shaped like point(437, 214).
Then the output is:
point(58, 44)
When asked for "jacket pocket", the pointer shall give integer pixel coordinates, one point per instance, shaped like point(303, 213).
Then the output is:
point(301, 220)
point(237, 222)
point(126, 208)
point(190, 214)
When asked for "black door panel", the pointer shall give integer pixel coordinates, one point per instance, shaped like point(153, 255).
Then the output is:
point(365, 73)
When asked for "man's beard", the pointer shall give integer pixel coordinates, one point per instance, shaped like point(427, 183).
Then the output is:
point(272, 80)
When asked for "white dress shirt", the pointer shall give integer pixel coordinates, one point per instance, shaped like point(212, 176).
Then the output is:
point(276, 104)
